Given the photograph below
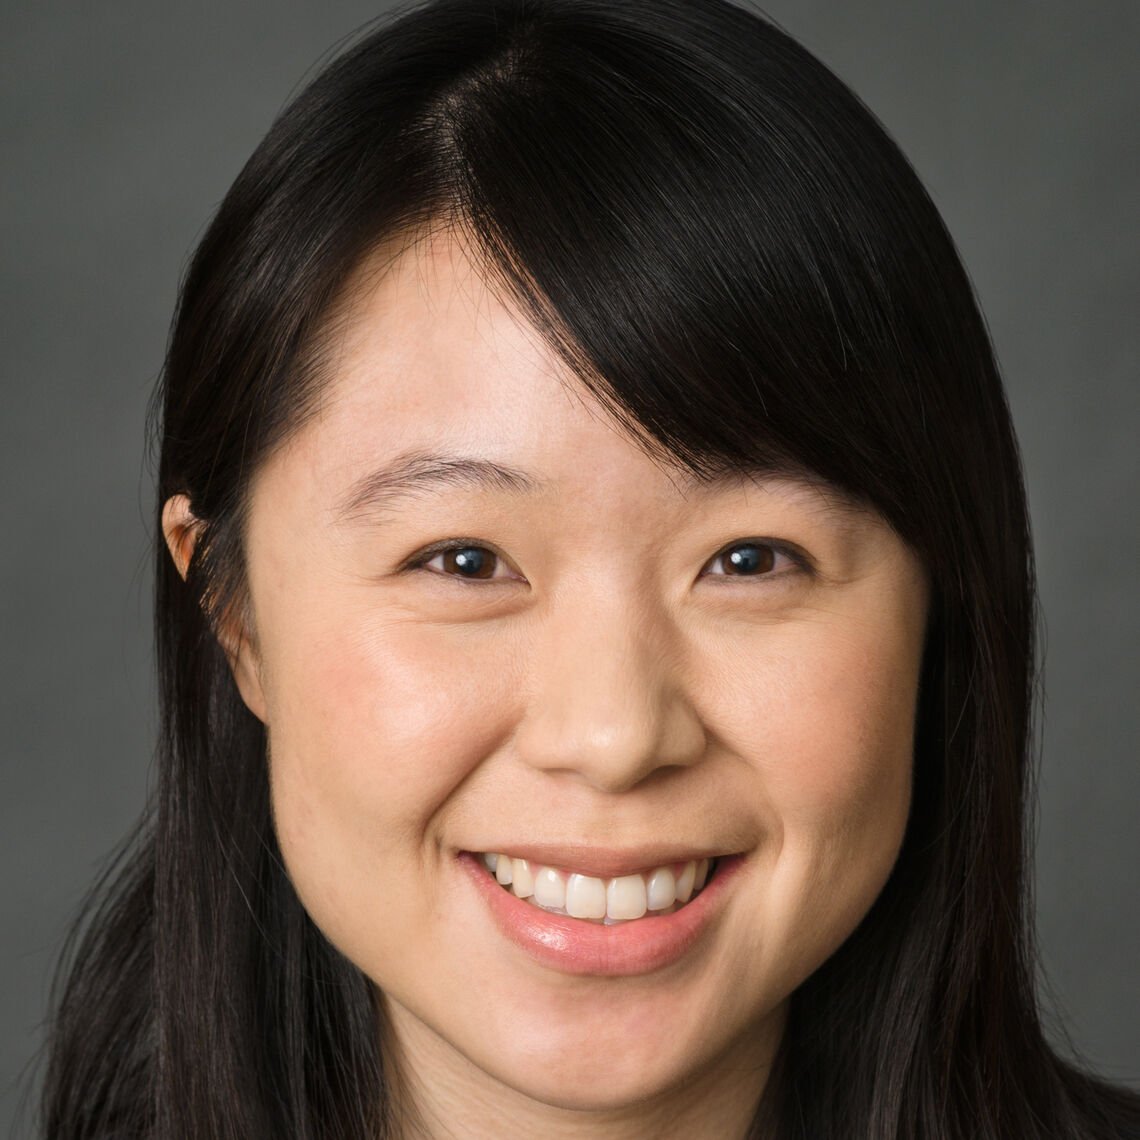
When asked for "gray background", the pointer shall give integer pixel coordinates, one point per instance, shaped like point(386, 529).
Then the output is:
point(121, 126)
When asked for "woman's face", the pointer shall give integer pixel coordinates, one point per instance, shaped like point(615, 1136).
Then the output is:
point(485, 622)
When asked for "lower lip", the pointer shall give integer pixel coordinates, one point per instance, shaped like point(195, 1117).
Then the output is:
point(574, 946)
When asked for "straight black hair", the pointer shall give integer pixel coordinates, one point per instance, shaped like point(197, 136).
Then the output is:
point(736, 259)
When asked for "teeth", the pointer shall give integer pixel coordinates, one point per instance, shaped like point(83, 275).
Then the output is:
point(522, 880)
point(621, 899)
point(625, 897)
point(661, 890)
point(549, 889)
point(585, 897)
point(685, 882)
point(702, 874)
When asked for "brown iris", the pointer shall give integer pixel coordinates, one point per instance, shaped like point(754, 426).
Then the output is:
point(469, 562)
point(748, 558)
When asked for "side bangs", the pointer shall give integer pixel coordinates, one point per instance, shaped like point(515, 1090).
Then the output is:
point(713, 260)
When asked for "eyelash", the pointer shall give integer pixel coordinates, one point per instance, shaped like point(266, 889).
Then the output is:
point(797, 558)
point(419, 561)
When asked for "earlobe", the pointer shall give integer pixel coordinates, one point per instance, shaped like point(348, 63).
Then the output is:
point(247, 675)
point(180, 528)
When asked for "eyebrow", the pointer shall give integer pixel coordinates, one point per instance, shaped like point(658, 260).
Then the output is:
point(419, 471)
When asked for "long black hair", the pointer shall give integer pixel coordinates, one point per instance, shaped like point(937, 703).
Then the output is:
point(737, 260)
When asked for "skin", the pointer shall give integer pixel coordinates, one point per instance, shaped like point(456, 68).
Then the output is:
point(613, 682)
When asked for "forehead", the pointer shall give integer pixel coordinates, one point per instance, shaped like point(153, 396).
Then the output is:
point(431, 296)
point(434, 380)
point(423, 337)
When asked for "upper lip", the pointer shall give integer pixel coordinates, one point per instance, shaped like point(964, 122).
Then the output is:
point(604, 862)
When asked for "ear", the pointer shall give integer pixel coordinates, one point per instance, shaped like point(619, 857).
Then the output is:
point(180, 528)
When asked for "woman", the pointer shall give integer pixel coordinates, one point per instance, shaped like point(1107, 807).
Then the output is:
point(595, 689)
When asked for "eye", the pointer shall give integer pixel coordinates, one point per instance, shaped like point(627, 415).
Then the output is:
point(463, 559)
point(752, 559)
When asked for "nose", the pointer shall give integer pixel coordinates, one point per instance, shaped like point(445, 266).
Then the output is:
point(607, 702)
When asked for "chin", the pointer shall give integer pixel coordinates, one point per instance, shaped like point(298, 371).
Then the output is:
point(604, 1083)
point(627, 1054)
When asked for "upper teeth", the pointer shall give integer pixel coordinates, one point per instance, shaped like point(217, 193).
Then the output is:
point(583, 896)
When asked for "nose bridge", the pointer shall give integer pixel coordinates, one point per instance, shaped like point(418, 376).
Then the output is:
point(608, 700)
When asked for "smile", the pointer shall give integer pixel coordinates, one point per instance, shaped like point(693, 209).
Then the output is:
point(625, 898)
point(569, 921)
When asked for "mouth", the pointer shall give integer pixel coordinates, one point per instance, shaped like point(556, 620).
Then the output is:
point(621, 899)
point(617, 921)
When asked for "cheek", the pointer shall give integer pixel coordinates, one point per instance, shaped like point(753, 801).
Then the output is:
point(838, 709)
point(846, 758)
point(372, 726)
point(831, 733)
